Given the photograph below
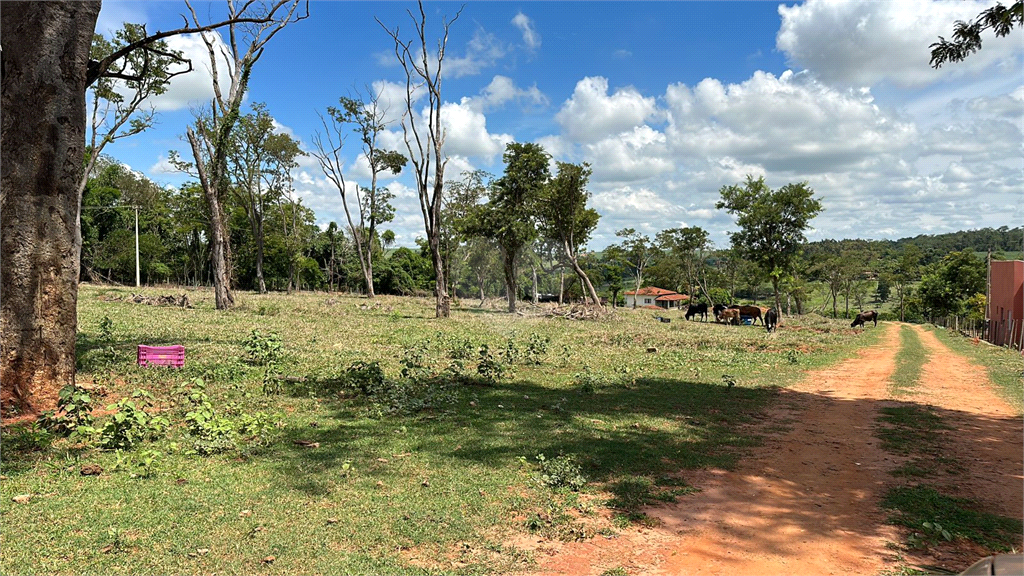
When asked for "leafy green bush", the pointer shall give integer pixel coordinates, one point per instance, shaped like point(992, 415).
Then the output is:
point(209, 432)
point(536, 348)
point(561, 471)
point(262, 349)
point(131, 423)
point(74, 409)
point(490, 368)
point(366, 377)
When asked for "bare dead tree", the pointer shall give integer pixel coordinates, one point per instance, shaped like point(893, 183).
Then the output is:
point(210, 140)
point(424, 137)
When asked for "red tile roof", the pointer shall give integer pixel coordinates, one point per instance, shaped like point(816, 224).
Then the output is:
point(649, 291)
point(671, 297)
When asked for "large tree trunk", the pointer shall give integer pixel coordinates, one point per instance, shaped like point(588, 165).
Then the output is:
point(259, 257)
point(42, 139)
point(511, 289)
point(443, 306)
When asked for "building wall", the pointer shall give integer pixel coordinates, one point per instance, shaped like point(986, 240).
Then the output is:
point(1006, 302)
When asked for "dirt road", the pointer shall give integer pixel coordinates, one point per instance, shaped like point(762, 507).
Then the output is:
point(806, 502)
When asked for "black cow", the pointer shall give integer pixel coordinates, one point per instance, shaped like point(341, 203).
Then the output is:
point(694, 309)
point(718, 309)
point(864, 317)
point(771, 319)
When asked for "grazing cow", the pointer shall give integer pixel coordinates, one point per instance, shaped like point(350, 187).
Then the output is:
point(771, 319)
point(694, 309)
point(751, 311)
point(730, 316)
point(864, 317)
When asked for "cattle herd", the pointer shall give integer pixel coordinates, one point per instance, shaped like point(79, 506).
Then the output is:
point(769, 317)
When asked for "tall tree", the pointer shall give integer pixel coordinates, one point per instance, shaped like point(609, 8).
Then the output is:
point(966, 39)
point(510, 215)
point(422, 65)
point(211, 139)
point(689, 245)
point(260, 162)
point(636, 251)
point(374, 207)
point(47, 70)
point(772, 224)
point(902, 272)
point(566, 220)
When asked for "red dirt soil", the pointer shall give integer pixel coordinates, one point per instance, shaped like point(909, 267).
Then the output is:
point(807, 500)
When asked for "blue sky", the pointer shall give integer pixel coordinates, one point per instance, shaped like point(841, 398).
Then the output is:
point(668, 101)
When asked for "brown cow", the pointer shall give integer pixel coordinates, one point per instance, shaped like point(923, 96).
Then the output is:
point(751, 311)
point(864, 317)
point(730, 316)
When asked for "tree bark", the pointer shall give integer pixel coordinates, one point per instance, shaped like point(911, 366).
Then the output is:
point(42, 141)
point(511, 289)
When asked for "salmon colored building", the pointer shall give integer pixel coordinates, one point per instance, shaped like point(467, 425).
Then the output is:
point(1006, 302)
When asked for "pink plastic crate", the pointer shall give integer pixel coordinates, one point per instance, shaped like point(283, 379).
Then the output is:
point(161, 356)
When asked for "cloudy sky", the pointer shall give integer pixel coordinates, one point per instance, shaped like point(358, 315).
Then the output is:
point(667, 101)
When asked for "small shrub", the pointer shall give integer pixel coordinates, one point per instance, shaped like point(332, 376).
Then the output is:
point(144, 464)
point(106, 329)
point(489, 368)
point(210, 433)
point(588, 382)
point(414, 361)
point(536, 348)
point(561, 471)
point(262, 349)
point(74, 410)
point(367, 377)
point(131, 423)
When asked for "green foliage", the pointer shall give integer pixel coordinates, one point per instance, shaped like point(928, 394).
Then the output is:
point(74, 410)
point(966, 39)
point(131, 423)
point(947, 287)
point(141, 464)
point(933, 515)
point(490, 368)
point(106, 329)
point(536, 348)
point(209, 433)
point(561, 472)
point(262, 349)
point(772, 223)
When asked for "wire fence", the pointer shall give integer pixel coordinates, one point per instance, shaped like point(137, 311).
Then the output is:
point(1009, 332)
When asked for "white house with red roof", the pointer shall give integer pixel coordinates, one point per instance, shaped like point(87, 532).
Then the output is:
point(656, 298)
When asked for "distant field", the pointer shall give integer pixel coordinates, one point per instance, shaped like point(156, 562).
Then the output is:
point(437, 467)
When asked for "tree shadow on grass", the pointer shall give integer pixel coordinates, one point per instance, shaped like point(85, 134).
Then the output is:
point(658, 427)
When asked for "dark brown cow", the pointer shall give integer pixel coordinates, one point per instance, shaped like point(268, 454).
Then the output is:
point(751, 311)
point(694, 310)
point(864, 317)
point(730, 316)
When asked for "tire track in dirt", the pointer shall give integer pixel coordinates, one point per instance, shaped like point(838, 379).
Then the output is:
point(803, 503)
point(807, 501)
point(989, 443)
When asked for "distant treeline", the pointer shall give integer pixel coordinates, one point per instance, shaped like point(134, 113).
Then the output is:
point(1004, 242)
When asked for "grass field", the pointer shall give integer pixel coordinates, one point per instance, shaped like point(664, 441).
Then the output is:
point(440, 463)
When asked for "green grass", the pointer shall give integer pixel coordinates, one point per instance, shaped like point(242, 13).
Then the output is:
point(910, 359)
point(1004, 366)
point(440, 485)
point(913, 506)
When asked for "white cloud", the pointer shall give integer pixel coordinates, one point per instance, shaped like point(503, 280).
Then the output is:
point(591, 113)
point(855, 43)
point(503, 90)
point(630, 156)
point(482, 51)
point(162, 166)
point(196, 87)
point(787, 124)
point(525, 25)
point(391, 97)
point(467, 135)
